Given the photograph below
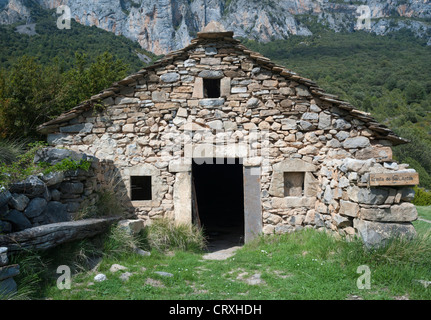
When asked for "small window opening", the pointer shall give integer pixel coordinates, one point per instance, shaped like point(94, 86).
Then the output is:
point(141, 188)
point(211, 88)
point(294, 184)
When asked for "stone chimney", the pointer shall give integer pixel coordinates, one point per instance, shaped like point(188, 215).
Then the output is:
point(214, 30)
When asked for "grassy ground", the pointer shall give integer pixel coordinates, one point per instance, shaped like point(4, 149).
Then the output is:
point(304, 265)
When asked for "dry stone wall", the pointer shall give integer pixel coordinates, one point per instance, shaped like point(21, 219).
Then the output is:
point(157, 121)
point(54, 197)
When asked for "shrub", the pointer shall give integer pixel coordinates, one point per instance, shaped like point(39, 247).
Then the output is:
point(120, 242)
point(422, 197)
point(10, 150)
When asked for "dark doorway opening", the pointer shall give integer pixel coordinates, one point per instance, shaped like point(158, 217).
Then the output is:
point(219, 194)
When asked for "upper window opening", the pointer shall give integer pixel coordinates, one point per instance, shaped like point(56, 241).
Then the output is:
point(211, 88)
point(140, 187)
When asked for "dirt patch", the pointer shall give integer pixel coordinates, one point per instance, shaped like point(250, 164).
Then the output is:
point(253, 280)
point(154, 283)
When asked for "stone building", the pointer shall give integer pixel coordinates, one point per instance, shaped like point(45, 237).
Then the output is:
point(218, 135)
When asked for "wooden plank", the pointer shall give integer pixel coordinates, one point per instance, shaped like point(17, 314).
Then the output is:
point(394, 179)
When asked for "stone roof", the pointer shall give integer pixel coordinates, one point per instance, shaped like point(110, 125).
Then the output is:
point(215, 31)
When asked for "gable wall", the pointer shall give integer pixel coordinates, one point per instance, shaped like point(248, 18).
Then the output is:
point(152, 124)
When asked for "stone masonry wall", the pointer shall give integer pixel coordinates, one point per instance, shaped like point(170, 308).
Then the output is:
point(54, 197)
point(156, 123)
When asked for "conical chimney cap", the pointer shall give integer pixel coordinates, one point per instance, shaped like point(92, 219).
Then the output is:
point(213, 30)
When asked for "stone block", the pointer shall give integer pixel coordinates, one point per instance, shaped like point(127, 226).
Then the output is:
point(211, 102)
point(5, 196)
point(52, 178)
point(405, 212)
point(293, 202)
point(379, 153)
point(35, 207)
point(9, 271)
point(372, 196)
point(341, 221)
point(377, 234)
point(356, 142)
point(30, 187)
point(7, 287)
point(18, 201)
point(349, 209)
point(170, 77)
point(4, 260)
point(131, 226)
point(211, 74)
point(72, 187)
point(18, 220)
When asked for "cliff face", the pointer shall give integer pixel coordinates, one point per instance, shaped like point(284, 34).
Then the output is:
point(161, 26)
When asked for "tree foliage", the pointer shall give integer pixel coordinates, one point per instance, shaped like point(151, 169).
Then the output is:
point(31, 94)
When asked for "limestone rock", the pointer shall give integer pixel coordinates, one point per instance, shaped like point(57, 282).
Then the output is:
point(30, 187)
point(170, 77)
point(18, 202)
point(35, 207)
point(349, 209)
point(356, 142)
point(100, 277)
point(131, 226)
point(405, 212)
point(377, 234)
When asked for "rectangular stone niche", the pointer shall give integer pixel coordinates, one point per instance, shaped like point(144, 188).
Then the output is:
point(294, 184)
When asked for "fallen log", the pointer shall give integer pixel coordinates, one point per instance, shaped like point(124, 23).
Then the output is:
point(51, 235)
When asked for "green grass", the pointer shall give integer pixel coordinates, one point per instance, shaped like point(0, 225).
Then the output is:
point(303, 265)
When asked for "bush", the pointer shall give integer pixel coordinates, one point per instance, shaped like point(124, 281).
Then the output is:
point(422, 197)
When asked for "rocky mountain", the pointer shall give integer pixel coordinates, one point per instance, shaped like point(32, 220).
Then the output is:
point(161, 26)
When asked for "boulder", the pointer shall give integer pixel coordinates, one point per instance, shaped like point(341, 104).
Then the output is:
point(5, 196)
point(56, 212)
point(18, 202)
point(377, 234)
point(30, 187)
point(35, 207)
point(18, 220)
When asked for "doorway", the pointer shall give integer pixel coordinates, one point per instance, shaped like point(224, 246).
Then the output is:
point(218, 185)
